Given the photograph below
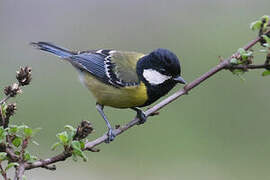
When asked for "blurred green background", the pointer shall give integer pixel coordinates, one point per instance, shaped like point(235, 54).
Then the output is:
point(219, 131)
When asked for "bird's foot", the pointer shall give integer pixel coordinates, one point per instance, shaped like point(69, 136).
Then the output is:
point(111, 135)
point(141, 116)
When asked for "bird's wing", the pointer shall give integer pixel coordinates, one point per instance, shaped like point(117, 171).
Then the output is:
point(116, 68)
point(122, 67)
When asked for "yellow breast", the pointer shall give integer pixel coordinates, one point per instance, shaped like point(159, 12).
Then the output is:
point(123, 97)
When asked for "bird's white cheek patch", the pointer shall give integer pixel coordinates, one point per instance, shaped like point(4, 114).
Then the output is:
point(154, 77)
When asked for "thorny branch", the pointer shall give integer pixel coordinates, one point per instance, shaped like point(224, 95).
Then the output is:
point(85, 128)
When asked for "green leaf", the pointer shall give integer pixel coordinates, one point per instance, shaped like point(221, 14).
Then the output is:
point(70, 128)
point(10, 165)
point(55, 145)
point(17, 153)
point(71, 132)
point(83, 156)
point(266, 73)
point(74, 157)
point(17, 141)
point(63, 137)
point(82, 144)
point(234, 61)
point(13, 129)
point(76, 146)
point(4, 107)
point(26, 156)
point(28, 131)
point(24, 177)
point(3, 156)
point(35, 142)
point(241, 51)
point(248, 53)
point(33, 158)
point(2, 134)
point(267, 39)
point(244, 54)
point(255, 25)
point(22, 127)
point(266, 17)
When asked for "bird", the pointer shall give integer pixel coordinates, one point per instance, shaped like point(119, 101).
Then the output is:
point(122, 79)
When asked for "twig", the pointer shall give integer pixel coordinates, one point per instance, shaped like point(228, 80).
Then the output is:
point(43, 163)
point(225, 64)
point(52, 168)
point(2, 118)
point(5, 99)
point(249, 66)
point(24, 146)
point(19, 171)
point(3, 173)
point(21, 168)
point(11, 154)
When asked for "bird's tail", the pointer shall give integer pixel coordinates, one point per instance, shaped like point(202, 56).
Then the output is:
point(58, 51)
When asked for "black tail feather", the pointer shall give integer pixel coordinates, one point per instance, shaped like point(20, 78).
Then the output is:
point(58, 51)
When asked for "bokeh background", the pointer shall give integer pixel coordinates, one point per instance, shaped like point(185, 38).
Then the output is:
point(219, 131)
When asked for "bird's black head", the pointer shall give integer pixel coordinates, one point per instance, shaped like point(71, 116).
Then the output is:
point(160, 71)
point(165, 62)
point(159, 66)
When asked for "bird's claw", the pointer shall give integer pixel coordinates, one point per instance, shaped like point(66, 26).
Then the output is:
point(141, 116)
point(111, 135)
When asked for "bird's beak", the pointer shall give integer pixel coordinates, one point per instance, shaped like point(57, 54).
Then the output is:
point(179, 79)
